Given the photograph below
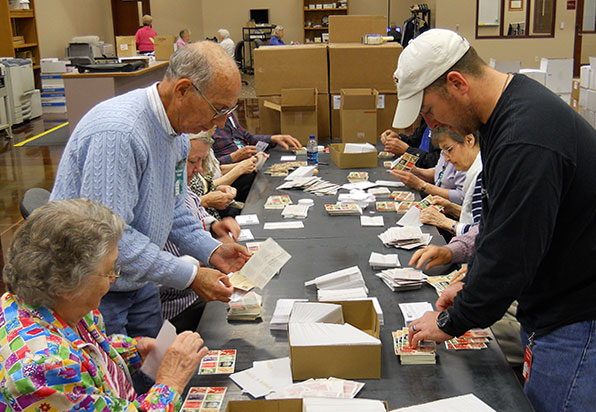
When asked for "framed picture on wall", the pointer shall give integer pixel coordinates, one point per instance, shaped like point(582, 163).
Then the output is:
point(516, 5)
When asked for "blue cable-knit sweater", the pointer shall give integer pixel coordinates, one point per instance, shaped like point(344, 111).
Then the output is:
point(121, 156)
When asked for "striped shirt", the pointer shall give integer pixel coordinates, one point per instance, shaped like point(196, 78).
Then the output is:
point(476, 207)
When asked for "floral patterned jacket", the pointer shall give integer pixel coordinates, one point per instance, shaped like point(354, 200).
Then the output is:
point(44, 366)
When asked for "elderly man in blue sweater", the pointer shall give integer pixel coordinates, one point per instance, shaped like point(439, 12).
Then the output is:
point(129, 153)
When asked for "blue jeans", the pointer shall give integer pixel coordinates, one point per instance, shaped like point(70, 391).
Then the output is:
point(134, 313)
point(563, 369)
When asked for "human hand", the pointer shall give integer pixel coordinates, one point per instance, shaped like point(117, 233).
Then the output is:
point(248, 165)
point(285, 141)
point(425, 328)
point(227, 189)
point(446, 203)
point(229, 257)
point(448, 295)
point(432, 216)
point(460, 275)
point(408, 178)
point(144, 346)
point(388, 134)
point(244, 153)
point(211, 284)
point(396, 146)
point(181, 360)
point(217, 199)
point(435, 255)
point(226, 227)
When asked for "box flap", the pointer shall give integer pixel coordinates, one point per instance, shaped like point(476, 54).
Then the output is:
point(359, 99)
point(261, 405)
point(272, 105)
point(299, 99)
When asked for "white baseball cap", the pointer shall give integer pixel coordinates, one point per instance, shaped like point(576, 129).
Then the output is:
point(424, 60)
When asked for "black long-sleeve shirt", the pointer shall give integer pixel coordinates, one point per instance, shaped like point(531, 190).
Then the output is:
point(537, 240)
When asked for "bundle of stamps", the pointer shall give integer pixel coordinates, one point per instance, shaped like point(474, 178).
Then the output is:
point(204, 399)
point(428, 202)
point(440, 283)
point(277, 202)
point(400, 196)
point(385, 155)
point(423, 353)
point(282, 169)
point(218, 362)
point(343, 209)
point(404, 206)
point(354, 177)
point(386, 206)
point(405, 162)
point(474, 339)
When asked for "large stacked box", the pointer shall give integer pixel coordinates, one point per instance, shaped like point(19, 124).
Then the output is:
point(587, 92)
point(53, 98)
point(559, 76)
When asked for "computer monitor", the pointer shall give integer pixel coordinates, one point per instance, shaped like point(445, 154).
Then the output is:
point(260, 16)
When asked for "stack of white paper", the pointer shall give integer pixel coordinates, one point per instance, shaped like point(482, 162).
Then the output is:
point(281, 314)
point(463, 403)
point(379, 261)
point(302, 171)
point(283, 225)
point(414, 310)
point(319, 388)
point(390, 183)
point(360, 197)
point(261, 267)
point(295, 211)
point(341, 294)
point(328, 334)
point(342, 279)
point(402, 236)
point(311, 184)
point(264, 377)
point(400, 280)
point(379, 191)
point(344, 405)
point(245, 234)
point(245, 220)
point(304, 312)
point(359, 148)
point(372, 221)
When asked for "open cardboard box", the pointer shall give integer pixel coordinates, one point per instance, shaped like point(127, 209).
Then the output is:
point(345, 361)
point(259, 405)
point(351, 160)
point(126, 46)
point(298, 108)
point(358, 115)
point(164, 47)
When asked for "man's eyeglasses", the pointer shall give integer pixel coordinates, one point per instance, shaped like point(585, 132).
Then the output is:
point(218, 113)
point(447, 151)
point(114, 274)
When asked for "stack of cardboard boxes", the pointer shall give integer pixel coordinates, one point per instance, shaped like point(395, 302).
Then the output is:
point(587, 92)
point(347, 76)
point(53, 98)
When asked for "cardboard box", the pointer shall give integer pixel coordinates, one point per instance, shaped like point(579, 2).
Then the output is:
point(386, 105)
point(285, 67)
point(559, 74)
point(261, 405)
point(590, 99)
point(584, 76)
point(52, 65)
point(354, 66)
point(349, 361)
point(270, 119)
point(126, 46)
point(164, 47)
point(505, 66)
point(351, 160)
point(538, 75)
point(349, 29)
point(358, 116)
point(583, 98)
point(298, 108)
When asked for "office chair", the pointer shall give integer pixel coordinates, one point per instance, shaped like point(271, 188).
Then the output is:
point(32, 199)
point(239, 57)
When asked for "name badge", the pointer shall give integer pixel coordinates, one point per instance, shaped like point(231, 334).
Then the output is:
point(179, 178)
point(238, 143)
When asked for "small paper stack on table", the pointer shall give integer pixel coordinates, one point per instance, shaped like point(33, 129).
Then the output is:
point(386, 206)
point(400, 195)
point(247, 307)
point(277, 202)
point(311, 184)
point(379, 191)
point(354, 177)
point(385, 155)
point(379, 261)
point(400, 280)
point(473, 339)
point(319, 388)
point(282, 169)
point(404, 237)
point(295, 211)
point(343, 209)
point(422, 354)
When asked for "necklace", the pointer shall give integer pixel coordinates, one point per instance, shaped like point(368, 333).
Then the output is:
point(509, 75)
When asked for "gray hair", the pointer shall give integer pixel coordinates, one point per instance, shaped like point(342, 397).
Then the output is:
point(210, 163)
point(190, 63)
point(204, 137)
point(57, 247)
point(184, 32)
point(277, 30)
point(223, 33)
point(444, 131)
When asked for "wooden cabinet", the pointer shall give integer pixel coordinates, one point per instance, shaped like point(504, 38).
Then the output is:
point(18, 35)
point(316, 17)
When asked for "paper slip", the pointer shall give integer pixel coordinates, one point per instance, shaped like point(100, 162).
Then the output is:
point(261, 267)
point(328, 334)
point(390, 183)
point(341, 294)
point(401, 236)
point(204, 399)
point(463, 403)
point(319, 388)
point(245, 220)
point(422, 354)
point(218, 362)
point(305, 312)
point(253, 246)
point(344, 405)
point(359, 148)
point(295, 212)
point(164, 340)
point(372, 221)
point(411, 218)
point(424, 241)
point(302, 171)
point(385, 206)
point(245, 234)
point(283, 225)
point(379, 261)
point(264, 377)
point(281, 314)
point(342, 279)
point(261, 146)
point(414, 310)
point(287, 158)
point(261, 159)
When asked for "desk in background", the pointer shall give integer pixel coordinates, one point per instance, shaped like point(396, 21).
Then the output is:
point(330, 243)
point(85, 90)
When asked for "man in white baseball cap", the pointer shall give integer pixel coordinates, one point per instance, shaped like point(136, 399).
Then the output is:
point(536, 240)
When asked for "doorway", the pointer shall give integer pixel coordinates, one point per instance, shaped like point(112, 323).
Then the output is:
point(126, 15)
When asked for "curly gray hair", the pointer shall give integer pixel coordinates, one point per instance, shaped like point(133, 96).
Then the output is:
point(210, 163)
point(57, 247)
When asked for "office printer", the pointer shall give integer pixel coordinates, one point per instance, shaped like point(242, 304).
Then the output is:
point(86, 49)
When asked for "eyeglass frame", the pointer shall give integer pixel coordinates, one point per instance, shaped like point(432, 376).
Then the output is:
point(114, 274)
point(218, 113)
point(447, 152)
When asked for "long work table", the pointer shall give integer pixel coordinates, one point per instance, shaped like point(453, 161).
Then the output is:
point(330, 243)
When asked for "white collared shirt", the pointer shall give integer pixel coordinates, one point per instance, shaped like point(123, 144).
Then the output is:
point(158, 109)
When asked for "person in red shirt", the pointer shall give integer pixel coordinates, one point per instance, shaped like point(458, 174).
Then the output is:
point(145, 35)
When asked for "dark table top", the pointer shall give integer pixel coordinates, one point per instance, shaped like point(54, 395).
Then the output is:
point(330, 243)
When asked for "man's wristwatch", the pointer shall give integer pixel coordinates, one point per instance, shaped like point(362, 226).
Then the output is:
point(443, 320)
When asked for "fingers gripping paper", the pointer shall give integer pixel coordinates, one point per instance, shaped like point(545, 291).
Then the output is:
point(261, 267)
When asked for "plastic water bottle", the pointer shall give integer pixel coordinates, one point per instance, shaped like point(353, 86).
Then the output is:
point(312, 152)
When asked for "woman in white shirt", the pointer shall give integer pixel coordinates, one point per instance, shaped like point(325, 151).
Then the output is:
point(223, 37)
